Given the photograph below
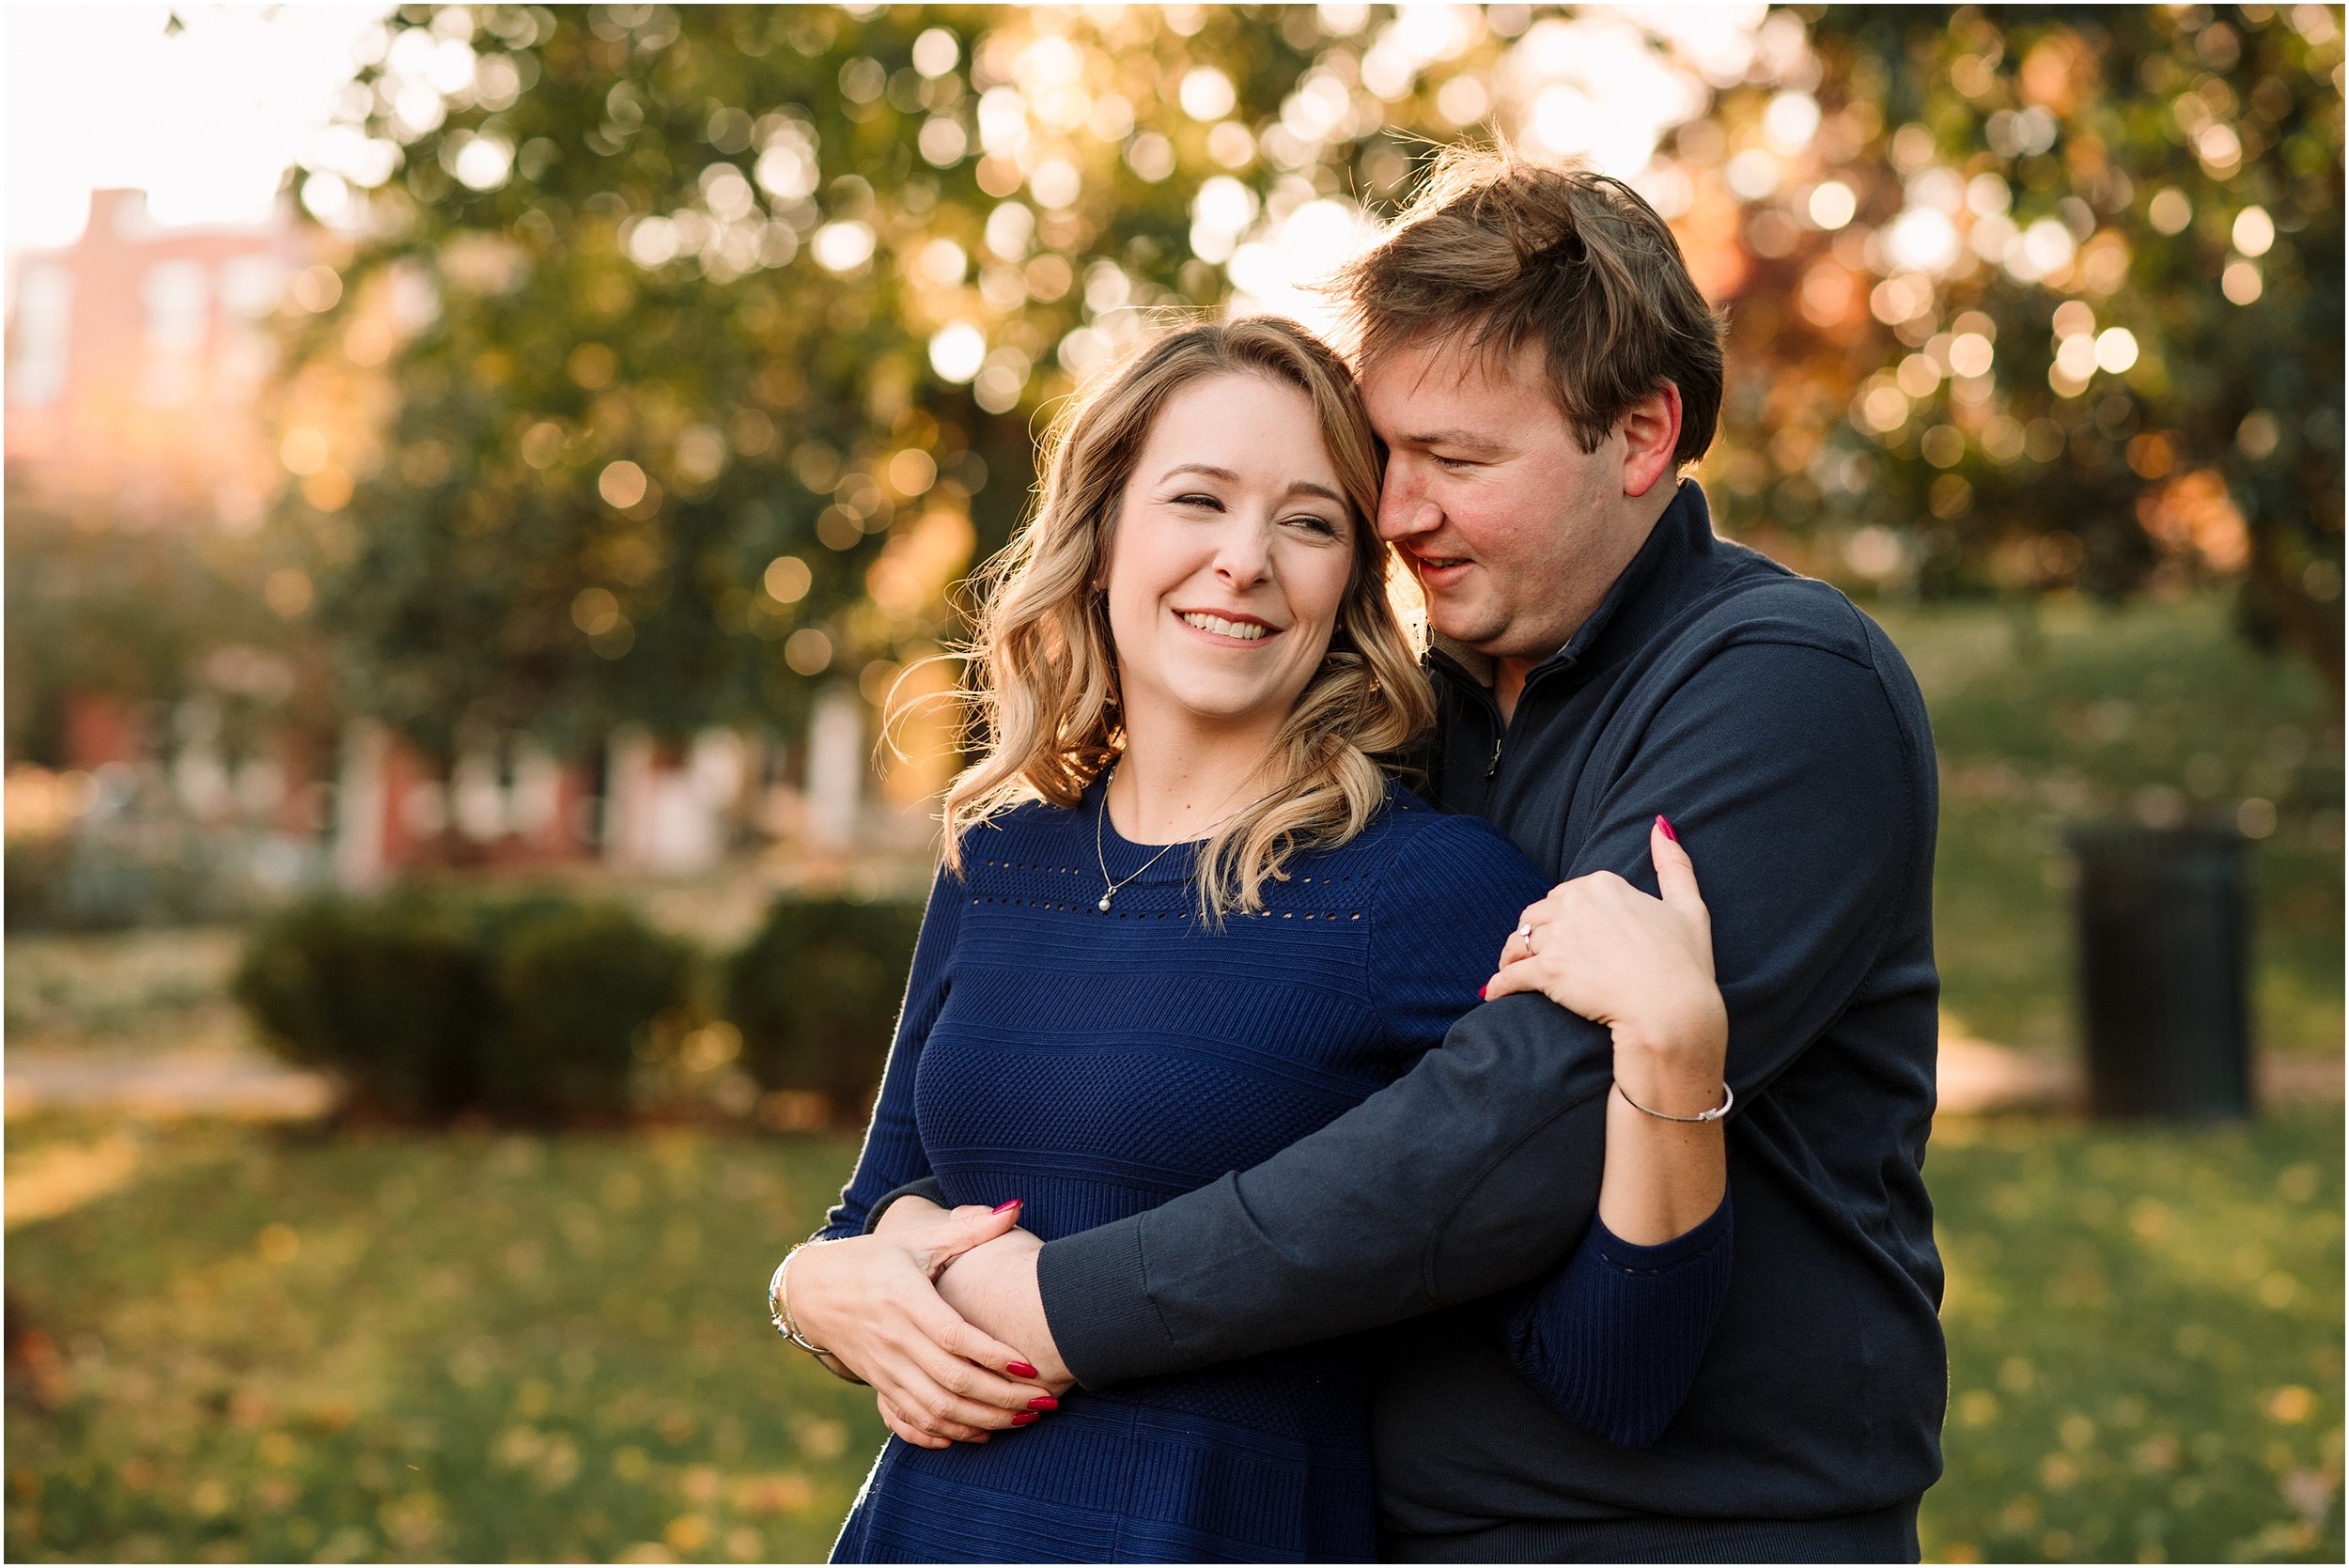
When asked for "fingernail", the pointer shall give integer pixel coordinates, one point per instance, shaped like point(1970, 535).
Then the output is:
point(1044, 1402)
point(1665, 822)
point(1020, 1369)
point(1025, 1417)
point(1480, 993)
point(1017, 1202)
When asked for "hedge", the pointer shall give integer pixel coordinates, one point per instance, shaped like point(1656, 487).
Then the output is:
point(433, 1003)
point(815, 994)
point(430, 1003)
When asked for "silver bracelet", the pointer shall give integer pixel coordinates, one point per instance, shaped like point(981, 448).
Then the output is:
point(779, 1306)
point(1729, 1098)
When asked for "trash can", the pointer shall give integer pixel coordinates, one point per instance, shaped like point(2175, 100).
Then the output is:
point(2165, 948)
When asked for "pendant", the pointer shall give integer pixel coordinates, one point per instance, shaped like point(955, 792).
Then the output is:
point(1104, 905)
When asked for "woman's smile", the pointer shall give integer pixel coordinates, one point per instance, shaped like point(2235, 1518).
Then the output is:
point(1234, 628)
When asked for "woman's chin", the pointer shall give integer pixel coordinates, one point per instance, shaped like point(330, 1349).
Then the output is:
point(1212, 707)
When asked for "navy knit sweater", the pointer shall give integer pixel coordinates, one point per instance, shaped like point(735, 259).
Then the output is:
point(1097, 1065)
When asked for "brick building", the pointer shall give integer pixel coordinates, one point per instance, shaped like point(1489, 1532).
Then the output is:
point(137, 358)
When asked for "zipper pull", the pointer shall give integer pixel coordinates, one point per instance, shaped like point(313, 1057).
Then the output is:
point(1494, 766)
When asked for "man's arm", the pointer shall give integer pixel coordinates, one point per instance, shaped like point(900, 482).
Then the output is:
point(1470, 1172)
point(1783, 765)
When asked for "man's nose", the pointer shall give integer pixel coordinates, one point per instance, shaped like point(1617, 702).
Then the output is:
point(1404, 513)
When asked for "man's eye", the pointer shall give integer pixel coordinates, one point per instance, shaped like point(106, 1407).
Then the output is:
point(1455, 465)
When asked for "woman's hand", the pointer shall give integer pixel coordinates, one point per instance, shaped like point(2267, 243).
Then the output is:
point(871, 1303)
point(1640, 966)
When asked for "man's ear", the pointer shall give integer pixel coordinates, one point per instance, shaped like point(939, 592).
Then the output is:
point(1651, 432)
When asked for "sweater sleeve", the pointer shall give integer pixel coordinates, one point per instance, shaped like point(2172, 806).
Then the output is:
point(1612, 1339)
point(1446, 901)
point(1780, 764)
point(893, 1156)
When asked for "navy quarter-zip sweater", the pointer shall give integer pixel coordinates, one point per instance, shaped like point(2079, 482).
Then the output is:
point(1783, 736)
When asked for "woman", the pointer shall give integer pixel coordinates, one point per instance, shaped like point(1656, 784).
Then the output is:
point(1185, 919)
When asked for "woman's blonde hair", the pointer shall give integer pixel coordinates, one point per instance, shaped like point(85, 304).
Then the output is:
point(1043, 673)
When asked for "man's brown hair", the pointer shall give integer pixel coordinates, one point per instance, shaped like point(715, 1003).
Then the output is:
point(1498, 253)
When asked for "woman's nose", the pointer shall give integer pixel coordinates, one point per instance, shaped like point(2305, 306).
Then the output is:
point(1243, 555)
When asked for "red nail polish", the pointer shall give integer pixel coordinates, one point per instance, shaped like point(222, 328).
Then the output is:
point(1025, 1417)
point(1480, 993)
point(1044, 1402)
point(1665, 822)
point(1020, 1369)
point(1017, 1202)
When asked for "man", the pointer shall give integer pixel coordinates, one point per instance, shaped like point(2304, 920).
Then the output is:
point(1541, 367)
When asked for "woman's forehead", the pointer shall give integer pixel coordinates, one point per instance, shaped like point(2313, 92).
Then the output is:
point(1252, 426)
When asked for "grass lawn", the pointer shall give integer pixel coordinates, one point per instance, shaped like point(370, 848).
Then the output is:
point(417, 1348)
point(517, 1347)
point(2145, 1342)
point(2076, 712)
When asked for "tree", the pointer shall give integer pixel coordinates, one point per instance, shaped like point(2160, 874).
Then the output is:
point(2076, 276)
point(723, 332)
point(714, 338)
point(143, 613)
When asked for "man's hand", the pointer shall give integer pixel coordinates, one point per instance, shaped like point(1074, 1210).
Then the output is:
point(993, 1286)
point(870, 1302)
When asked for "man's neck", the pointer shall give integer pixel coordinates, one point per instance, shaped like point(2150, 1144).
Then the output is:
point(1509, 683)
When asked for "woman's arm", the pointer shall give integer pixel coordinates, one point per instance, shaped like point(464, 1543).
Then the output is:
point(1643, 968)
point(893, 1155)
point(870, 1300)
point(1613, 1338)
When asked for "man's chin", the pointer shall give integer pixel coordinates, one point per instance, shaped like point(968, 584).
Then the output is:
point(1461, 624)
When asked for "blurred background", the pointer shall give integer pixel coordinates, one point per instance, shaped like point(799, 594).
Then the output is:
point(480, 482)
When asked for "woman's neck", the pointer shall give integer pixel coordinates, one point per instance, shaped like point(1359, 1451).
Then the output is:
point(1172, 789)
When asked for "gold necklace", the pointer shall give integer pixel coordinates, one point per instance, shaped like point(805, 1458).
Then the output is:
point(1111, 886)
point(1114, 886)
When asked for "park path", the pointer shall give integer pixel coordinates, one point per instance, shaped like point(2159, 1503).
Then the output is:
point(229, 1078)
point(213, 1078)
point(223, 1074)
point(1976, 1077)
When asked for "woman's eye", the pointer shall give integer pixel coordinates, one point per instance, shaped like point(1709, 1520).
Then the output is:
point(1315, 524)
point(1197, 500)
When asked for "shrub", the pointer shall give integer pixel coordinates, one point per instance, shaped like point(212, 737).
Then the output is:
point(113, 877)
point(32, 869)
point(138, 856)
point(390, 995)
point(575, 987)
point(429, 1003)
point(815, 994)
